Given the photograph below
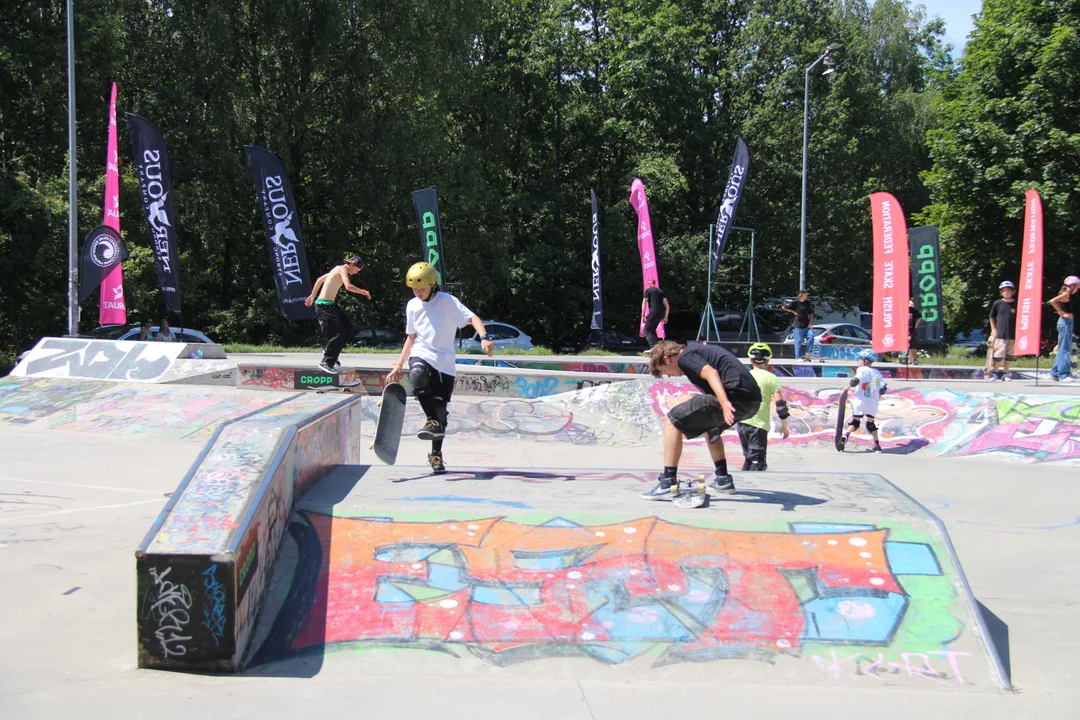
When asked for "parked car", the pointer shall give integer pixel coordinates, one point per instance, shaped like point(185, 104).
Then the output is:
point(608, 340)
point(502, 334)
point(184, 335)
point(110, 332)
point(835, 334)
point(684, 325)
point(378, 338)
point(973, 342)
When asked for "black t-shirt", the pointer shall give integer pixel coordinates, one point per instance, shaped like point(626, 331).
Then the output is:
point(803, 310)
point(1004, 314)
point(738, 383)
point(655, 298)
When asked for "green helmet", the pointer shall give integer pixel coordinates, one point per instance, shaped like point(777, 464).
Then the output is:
point(759, 352)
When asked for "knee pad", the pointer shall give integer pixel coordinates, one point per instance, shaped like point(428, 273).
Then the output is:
point(855, 422)
point(420, 378)
point(871, 426)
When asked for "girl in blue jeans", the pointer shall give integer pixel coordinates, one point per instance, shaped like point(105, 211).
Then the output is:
point(1066, 304)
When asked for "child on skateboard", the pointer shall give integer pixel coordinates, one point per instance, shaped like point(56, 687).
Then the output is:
point(754, 431)
point(729, 395)
point(867, 387)
point(432, 318)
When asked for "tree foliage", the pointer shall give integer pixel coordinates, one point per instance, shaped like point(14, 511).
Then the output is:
point(1009, 121)
point(513, 109)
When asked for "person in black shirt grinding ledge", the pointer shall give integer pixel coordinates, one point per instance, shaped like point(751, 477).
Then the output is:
point(729, 394)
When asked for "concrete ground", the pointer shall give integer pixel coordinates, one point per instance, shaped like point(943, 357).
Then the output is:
point(74, 506)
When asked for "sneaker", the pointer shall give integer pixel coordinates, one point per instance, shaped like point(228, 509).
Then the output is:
point(723, 484)
point(1006, 378)
point(1066, 378)
point(326, 366)
point(436, 462)
point(877, 447)
point(432, 430)
point(337, 365)
point(660, 492)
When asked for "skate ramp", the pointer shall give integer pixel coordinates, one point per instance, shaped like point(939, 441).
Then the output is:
point(126, 361)
point(819, 579)
point(953, 423)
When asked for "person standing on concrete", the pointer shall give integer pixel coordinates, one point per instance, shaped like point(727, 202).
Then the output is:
point(335, 327)
point(1066, 304)
point(1003, 327)
point(729, 394)
point(803, 310)
point(867, 387)
point(432, 318)
point(754, 431)
point(654, 310)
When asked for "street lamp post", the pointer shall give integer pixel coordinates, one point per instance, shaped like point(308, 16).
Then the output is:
point(830, 62)
point(73, 212)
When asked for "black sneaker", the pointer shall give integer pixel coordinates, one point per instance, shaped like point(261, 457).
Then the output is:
point(326, 366)
point(432, 430)
point(877, 447)
point(436, 462)
point(723, 484)
point(661, 491)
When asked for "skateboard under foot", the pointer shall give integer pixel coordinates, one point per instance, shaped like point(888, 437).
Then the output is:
point(690, 493)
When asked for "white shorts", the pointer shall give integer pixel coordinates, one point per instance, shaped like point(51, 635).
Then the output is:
point(864, 406)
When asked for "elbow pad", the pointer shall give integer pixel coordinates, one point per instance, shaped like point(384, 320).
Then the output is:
point(854, 382)
point(782, 410)
point(883, 389)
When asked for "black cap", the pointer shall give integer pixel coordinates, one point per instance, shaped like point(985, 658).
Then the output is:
point(355, 260)
point(804, 292)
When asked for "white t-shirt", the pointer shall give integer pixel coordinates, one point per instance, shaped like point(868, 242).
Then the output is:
point(162, 337)
point(435, 323)
point(865, 395)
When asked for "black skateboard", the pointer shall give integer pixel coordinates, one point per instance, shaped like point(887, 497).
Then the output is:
point(391, 418)
point(841, 412)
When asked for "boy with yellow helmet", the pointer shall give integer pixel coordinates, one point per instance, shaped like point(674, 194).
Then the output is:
point(754, 430)
point(432, 318)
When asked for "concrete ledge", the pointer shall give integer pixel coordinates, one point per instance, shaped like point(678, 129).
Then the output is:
point(203, 567)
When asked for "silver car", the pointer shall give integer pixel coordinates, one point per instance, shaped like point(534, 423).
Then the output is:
point(503, 335)
point(836, 334)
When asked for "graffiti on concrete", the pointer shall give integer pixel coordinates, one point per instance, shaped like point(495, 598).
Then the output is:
point(209, 509)
point(168, 412)
point(26, 400)
point(509, 592)
point(100, 359)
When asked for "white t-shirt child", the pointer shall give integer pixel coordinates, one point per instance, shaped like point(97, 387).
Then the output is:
point(435, 324)
point(865, 395)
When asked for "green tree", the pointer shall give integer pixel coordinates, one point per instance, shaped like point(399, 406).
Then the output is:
point(1010, 121)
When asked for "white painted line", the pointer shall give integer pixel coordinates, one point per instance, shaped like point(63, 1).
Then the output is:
point(76, 510)
point(77, 485)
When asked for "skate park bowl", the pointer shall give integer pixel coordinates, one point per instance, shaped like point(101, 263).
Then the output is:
point(287, 550)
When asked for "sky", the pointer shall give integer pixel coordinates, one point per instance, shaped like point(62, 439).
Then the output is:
point(957, 16)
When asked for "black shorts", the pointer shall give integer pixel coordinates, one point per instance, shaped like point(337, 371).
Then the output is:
point(702, 414)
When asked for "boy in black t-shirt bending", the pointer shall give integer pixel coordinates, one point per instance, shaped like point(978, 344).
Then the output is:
point(729, 394)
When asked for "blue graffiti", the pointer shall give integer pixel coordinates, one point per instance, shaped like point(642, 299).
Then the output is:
point(541, 388)
point(214, 617)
